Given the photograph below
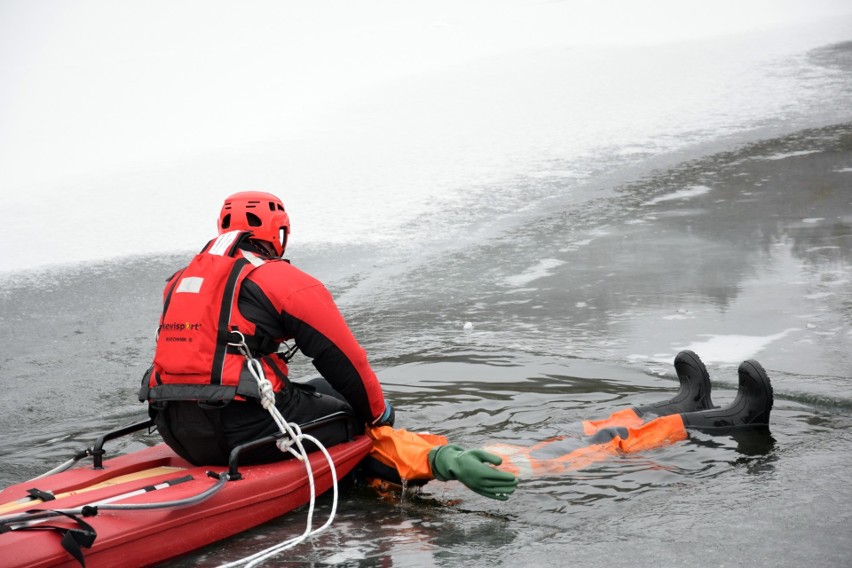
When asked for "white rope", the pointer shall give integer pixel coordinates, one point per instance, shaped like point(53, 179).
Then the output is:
point(294, 437)
point(58, 469)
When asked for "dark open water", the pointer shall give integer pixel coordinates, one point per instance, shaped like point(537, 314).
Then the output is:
point(576, 311)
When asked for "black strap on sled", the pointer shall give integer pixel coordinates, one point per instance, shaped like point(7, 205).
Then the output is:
point(73, 539)
point(36, 493)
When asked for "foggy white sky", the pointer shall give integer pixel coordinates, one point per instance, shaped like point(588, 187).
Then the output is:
point(88, 85)
point(100, 88)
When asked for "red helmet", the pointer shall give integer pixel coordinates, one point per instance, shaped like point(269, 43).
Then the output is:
point(261, 214)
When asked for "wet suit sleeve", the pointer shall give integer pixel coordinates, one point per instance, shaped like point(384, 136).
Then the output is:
point(287, 303)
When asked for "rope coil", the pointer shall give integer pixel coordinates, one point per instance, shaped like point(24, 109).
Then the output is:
point(294, 437)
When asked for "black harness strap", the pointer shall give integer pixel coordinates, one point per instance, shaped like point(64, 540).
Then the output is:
point(224, 334)
point(261, 344)
point(281, 376)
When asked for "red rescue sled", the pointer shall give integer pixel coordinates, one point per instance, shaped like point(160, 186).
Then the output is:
point(210, 506)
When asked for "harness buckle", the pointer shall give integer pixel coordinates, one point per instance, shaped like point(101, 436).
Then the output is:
point(241, 344)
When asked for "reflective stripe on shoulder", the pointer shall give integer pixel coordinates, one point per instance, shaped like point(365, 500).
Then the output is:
point(252, 258)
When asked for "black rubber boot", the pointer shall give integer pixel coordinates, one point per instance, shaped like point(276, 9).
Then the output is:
point(694, 391)
point(750, 409)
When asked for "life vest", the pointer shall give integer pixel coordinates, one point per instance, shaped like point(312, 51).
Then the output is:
point(195, 357)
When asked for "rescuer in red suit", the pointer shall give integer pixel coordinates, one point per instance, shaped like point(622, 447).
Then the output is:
point(239, 289)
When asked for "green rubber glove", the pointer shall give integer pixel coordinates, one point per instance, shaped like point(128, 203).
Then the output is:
point(472, 467)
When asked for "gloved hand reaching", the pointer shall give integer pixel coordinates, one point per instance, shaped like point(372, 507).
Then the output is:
point(472, 468)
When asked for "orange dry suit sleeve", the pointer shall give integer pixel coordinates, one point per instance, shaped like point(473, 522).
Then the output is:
point(406, 452)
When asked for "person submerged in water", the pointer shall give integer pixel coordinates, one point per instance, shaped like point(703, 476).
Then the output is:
point(641, 428)
point(418, 457)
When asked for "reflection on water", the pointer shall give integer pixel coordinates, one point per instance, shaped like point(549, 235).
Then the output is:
point(760, 256)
